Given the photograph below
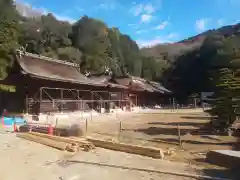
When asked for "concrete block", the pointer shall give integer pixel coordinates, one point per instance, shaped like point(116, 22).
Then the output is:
point(224, 158)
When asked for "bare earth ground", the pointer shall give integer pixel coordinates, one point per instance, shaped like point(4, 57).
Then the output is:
point(160, 130)
point(25, 160)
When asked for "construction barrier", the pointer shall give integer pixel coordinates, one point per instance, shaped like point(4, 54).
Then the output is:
point(11, 123)
point(40, 127)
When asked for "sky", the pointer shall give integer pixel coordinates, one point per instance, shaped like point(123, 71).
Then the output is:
point(148, 22)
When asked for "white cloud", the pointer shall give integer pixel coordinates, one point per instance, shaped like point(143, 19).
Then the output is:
point(172, 35)
point(146, 18)
point(148, 43)
point(141, 31)
point(149, 8)
point(27, 10)
point(220, 22)
point(65, 18)
point(201, 25)
point(163, 25)
point(133, 26)
point(107, 6)
point(157, 40)
point(139, 9)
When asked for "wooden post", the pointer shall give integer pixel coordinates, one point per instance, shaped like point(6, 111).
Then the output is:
point(195, 103)
point(40, 100)
point(56, 122)
point(179, 136)
point(27, 104)
point(86, 128)
point(120, 130)
point(61, 104)
point(91, 114)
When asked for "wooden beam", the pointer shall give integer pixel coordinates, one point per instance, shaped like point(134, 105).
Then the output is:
point(80, 142)
point(48, 142)
point(128, 148)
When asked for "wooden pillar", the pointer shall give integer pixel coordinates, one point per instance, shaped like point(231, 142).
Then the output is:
point(61, 104)
point(92, 99)
point(78, 99)
point(26, 101)
point(40, 99)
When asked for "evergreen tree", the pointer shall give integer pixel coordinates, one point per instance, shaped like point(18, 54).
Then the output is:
point(8, 33)
point(225, 76)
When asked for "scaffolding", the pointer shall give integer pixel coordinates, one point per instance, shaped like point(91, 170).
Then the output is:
point(53, 100)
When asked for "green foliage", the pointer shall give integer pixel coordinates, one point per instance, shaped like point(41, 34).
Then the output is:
point(152, 68)
point(70, 54)
point(8, 33)
point(225, 78)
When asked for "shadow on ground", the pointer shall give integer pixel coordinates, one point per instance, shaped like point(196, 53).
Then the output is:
point(195, 124)
point(205, 130)
point(220, 173)
point(196, 117)
point(174, 141)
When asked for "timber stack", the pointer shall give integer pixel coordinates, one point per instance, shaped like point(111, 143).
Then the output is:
point(75, 144)
point(61, 143)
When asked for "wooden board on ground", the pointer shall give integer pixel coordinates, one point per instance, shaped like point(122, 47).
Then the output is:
point(80, 142)
point(48, 142)
point(145, 151)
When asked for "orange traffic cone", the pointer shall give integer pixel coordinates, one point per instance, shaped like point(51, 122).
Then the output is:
point(14, 127)
point(50, 130)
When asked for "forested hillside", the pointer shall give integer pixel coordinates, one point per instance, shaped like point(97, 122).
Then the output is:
point(189, 62)
point(182, 67)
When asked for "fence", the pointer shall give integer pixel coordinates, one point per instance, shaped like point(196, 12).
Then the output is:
point(140, 128)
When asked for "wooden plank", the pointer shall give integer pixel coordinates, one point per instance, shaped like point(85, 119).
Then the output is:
point(48, 142)
point(80, 142)
point(128, 148)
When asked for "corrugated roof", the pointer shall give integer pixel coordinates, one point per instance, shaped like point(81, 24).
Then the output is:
point(56, 70)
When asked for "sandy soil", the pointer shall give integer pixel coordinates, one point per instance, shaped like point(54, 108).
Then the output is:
point(160, 130)
point(25, 160)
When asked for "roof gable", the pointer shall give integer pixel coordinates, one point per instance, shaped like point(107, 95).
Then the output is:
point(56, 70)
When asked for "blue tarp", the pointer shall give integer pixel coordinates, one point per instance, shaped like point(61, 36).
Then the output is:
point(11, 120)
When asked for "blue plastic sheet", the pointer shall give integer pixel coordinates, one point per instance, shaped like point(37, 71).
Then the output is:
point(11, 120)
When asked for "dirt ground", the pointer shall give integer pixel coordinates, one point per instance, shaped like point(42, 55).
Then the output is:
point(161, 130)
point(25, 160)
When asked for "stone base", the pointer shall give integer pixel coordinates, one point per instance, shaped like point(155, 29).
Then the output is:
point(224, 158)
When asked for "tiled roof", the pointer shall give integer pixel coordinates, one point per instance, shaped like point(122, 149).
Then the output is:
point(56, 70)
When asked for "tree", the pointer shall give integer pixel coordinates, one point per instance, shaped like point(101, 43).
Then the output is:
point(225, 76)
point(70, 54)
point(9, 33)
point(91, 37)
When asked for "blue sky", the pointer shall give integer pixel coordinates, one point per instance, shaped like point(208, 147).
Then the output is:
point(148, 21)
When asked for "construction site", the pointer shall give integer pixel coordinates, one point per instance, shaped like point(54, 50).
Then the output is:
point(58, 123)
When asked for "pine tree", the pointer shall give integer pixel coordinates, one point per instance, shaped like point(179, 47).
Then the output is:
point(225, 75)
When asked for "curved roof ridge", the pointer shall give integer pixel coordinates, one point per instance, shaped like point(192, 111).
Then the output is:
point(48, 58)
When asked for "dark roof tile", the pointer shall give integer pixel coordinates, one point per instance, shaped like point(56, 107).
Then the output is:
point(56, 70)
